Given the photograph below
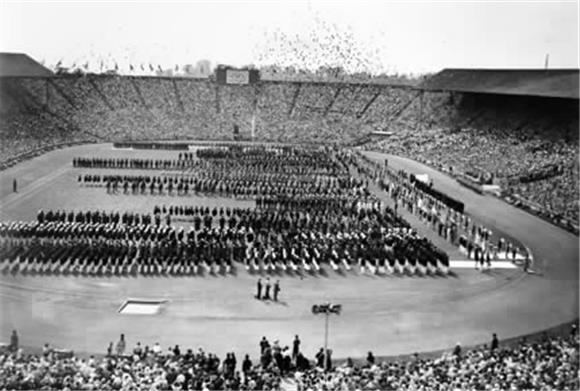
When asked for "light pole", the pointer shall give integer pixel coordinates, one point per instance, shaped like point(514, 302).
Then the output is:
point(326, 309)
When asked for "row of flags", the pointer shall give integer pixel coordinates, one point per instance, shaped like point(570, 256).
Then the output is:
point(107, 67)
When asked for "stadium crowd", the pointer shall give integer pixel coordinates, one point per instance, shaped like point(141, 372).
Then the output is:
point(23, 136)
point(140, 368)
point(550, 362)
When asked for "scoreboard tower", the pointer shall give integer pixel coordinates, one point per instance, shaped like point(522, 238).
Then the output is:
point(227, 75)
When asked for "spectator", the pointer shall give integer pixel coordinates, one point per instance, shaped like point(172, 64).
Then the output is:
point(46, 350)
point(138, 350)
point(320, 358)
point(156, 348)
point(264, 345)
point(494, 342)
point(246, 364)
point(121, 345)
point(370, 359)
point(14, 342)
point(295, 347)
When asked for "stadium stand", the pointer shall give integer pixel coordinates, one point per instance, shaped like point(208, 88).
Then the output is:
point(514, 129)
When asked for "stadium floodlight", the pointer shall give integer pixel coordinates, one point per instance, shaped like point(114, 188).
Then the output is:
point(326, 309)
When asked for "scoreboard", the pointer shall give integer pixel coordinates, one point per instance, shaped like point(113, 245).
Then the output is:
point(230, 75)
point(234, 76)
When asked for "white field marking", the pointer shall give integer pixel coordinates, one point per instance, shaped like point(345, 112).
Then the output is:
point(134, 306)
point(140, 309)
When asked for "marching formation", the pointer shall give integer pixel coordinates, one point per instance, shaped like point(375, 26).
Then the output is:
point(369, 238)
point(238, 172)
point(317, 215)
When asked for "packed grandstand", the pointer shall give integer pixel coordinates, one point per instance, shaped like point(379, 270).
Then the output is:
point(310, 184)
point(526, 141)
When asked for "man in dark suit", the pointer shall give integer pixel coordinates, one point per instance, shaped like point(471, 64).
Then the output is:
point(259, 288)
point(246, 365)
point(267, 292)
point(276, 290)
point(494, 342)
point(295, 347)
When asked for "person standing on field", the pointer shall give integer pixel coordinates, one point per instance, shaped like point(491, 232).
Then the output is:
point(276, 290)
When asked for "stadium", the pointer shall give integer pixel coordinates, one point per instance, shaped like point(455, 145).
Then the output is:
point(398, 225)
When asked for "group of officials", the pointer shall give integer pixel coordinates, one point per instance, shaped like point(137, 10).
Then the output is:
point(265, 288)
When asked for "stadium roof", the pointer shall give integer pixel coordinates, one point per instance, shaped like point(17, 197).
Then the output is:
point(555, 83)
point(19, 64)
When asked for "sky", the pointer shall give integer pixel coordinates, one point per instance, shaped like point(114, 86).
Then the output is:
point(374, 36)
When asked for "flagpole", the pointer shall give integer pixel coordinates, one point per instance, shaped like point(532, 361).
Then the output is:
point(253, 125)
point(326, 309)
point(327, 313)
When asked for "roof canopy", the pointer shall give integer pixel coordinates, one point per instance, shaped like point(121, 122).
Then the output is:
point(555, 83)
point(19, 64)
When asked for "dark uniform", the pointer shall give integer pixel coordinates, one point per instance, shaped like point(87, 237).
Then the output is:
point(267, 292)
point(259, 286)
point(276, 290)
